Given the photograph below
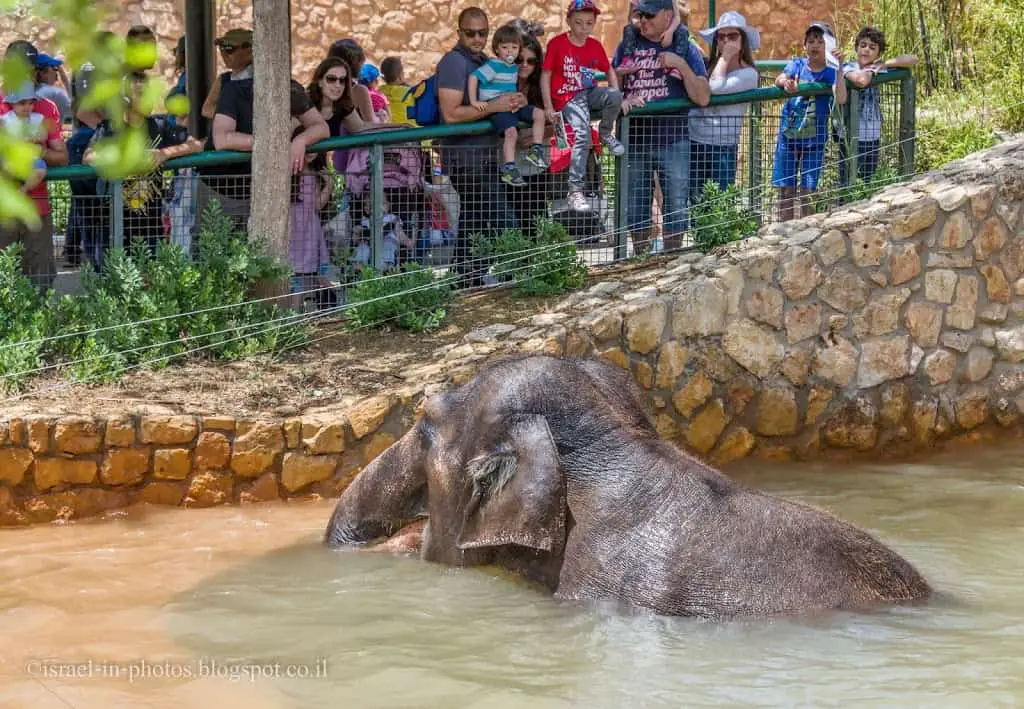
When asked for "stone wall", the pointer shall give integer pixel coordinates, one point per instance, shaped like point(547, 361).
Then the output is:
point(880, 329)
point(420, 31)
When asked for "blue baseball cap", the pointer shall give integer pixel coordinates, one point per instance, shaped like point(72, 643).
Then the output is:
point(653, 7)
point(368, 74)
point(45, 60)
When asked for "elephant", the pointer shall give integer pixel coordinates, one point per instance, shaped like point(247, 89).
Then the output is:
point(551, 467)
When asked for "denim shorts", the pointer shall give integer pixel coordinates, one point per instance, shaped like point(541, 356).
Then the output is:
point(797, 157)
point(506, 120)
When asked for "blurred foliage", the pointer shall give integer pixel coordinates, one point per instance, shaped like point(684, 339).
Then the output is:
point(112, 89)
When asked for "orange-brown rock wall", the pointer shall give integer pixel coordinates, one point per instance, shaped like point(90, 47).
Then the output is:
point(420, 31)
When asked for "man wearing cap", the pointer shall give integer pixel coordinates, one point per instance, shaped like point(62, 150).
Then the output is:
point(42, 123)
point(236, 51)
point(659, 144)
point(51, 82)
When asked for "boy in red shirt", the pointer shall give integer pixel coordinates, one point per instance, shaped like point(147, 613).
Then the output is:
point(39, 119)
point(568, 86)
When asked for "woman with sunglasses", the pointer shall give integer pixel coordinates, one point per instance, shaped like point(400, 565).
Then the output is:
point(715, 130)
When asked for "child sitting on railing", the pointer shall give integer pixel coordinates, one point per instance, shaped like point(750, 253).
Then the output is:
point(394, 239)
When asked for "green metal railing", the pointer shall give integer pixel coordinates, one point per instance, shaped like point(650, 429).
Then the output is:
point(759, 137)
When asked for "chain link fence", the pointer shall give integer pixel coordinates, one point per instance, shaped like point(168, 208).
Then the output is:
point(391, 198)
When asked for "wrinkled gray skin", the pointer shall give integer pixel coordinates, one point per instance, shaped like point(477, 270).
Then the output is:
point(551, 468)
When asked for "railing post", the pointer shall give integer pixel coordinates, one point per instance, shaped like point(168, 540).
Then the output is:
point(755, 176)
point(117, 215)
point(852, 137)
point(376, 164)
point(908, 124)
point(622, 193)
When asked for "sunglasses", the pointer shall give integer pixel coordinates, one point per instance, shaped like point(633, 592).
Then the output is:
point(645, 15)
point(231, 49)
point(335, 79)
point(482, 34)
point(528, 61)
point(729, 36)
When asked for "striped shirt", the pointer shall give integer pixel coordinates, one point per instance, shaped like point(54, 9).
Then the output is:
point(496, 77)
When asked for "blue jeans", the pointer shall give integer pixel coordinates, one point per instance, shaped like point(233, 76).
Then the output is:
point(711, 163)
point(672, 163)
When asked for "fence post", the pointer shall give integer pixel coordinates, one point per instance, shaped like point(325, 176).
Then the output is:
point(852, 137)
point(376, 164)
point(622, 193)
point(117, 215)
point(908, 124)
point(755, 176)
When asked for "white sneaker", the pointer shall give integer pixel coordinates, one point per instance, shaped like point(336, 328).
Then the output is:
point(577, 202)
point(614, 145)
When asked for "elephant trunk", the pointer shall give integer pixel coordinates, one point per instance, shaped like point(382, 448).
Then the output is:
point(388, 494)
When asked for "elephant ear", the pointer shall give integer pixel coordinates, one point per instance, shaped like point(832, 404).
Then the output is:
point(518, 490)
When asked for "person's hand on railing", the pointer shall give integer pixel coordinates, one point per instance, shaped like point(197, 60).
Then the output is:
point(631, 102)
point(508, 103)
point(791, 85)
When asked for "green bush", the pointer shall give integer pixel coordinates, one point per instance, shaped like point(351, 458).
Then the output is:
point(546, 265)
point(413, 299)
point(197, 307)
point(944, 135)
point(720, 217)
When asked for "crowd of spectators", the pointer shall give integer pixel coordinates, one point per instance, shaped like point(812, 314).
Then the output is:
point(464, 185)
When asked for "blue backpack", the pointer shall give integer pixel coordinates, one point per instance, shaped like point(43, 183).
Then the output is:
point(424, 109)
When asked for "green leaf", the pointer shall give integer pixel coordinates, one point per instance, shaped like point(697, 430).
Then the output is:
point(18, 157)
point(15, 70)
point(101, 93)
point(17, 206)
point(140, 55)
point(178, 105)
point(152, 93)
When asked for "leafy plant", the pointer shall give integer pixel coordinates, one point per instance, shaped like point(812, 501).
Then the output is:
point(545, 265)
point(22, 320)
point(413, 299)
point(719, 217)
point(944, 136)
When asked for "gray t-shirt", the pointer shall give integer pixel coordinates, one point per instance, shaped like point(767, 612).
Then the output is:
point(59, 97)
point(870, 109)
point(721, 125)
point(453, 72)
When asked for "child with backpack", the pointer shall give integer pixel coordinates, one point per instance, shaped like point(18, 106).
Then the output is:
point(803, 127)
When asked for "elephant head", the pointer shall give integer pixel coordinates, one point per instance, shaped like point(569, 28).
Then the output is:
point(552, 468)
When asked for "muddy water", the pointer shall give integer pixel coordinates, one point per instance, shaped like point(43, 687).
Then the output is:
point(184, 608)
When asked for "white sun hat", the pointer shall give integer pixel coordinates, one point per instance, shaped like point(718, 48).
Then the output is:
point(733, 19)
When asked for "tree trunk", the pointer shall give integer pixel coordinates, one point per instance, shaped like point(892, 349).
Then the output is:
point(271, 173)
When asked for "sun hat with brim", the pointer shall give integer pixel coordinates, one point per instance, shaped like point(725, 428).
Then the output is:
point(235, 38)
point(733, 20)
point(25, 92)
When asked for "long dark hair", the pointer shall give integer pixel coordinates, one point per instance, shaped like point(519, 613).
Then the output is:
point(343, 105)
point(532, 87)
point(746, 56)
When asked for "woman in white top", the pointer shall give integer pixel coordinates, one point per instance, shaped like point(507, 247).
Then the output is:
point(715, 130)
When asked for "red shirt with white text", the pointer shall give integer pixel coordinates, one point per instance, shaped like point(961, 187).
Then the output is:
point(572, 67)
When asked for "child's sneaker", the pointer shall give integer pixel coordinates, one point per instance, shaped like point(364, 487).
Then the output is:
point(510, 176)
point(577, 202)
point(614, 145)
point(536, 156)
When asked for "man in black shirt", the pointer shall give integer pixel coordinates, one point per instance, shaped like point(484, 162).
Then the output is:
point(232, 130)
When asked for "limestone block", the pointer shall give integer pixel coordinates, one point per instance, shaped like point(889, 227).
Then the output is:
point(914, 218)
point(904, 264)
point(162, 493)
point(298, 471)
point(924, 321)
point(972, 409)
point(644, 374)
point(818, 399)
point(700, 308)
point(706, 427)
point(256, 448)
point(996, 285)
point(172, 463)
point(209, 489)
point(120, 432)
point(616, 357)
point(836, 363)
point(603, 324)
point(213, 451)
point(894, 404)
point(883, 359)
point(671, 362)
point(169, 430)
point(981, 197)
point(992, 237)
point(1011, 344)
point(1012, 260)
point(994, 313)
point(777, 413)
point(262, 489)
point(77, 435)
point(321, 437)
point(644, 323)
point(951, 198)
point(959, 341)
point(692, 396)
point(844, 290)
point(753, 347)
point(765, 305)
point(377, 444)
point(219, 423)
point(831, 248)
point(800, 274)
point(962, 313)
point(14, 463)
point(367, 415)
point(51, 472)
point(796, 364)
point(979, 364)
point(882, 315)
point(868, 245)
point(734, 446)
point(124, 466)
point(802, 321)
point(38, 428)
point(940, 285)
point(940, 366)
